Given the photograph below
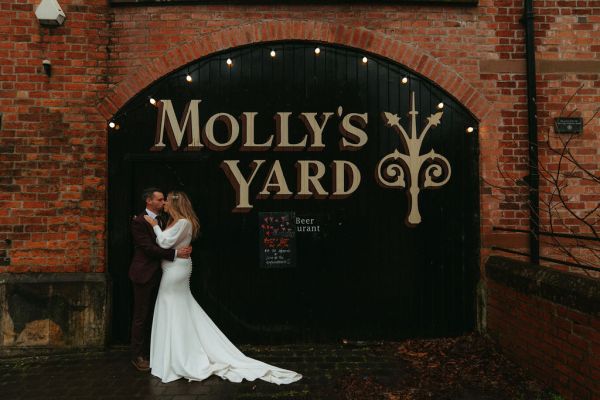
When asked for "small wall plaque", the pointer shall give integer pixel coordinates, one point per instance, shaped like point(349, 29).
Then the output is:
point(568, 125)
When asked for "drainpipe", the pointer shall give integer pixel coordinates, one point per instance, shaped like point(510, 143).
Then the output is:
point(533, 178)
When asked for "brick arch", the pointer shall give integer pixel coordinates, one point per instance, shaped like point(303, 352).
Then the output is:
point(368, 40)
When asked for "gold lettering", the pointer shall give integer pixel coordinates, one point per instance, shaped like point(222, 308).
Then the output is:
point(341, 169)
point(308, 184)
point(282, 132)
point(208, 134)
point(315, 129)
point(167, 120)
point(275, 181)
point(239, 183)
point(248, 139)
point(353, 132)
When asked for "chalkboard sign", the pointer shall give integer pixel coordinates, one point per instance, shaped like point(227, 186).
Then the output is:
point(277, 239)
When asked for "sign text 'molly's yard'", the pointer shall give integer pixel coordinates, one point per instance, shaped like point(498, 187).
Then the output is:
point(345, 175)
point(403, 168)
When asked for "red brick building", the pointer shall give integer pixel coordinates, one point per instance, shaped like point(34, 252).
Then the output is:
point(54, 129)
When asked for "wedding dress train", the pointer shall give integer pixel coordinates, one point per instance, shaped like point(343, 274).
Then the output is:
point(185, 342)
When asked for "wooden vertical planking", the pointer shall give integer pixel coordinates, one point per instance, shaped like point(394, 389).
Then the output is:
point(366, 275)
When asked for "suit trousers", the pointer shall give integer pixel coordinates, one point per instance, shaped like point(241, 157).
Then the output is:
point(144, 297)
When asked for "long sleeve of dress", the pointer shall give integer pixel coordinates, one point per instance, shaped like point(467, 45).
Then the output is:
point(171, 237)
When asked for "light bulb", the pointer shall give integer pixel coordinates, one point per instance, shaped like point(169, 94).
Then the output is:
point(112, 124)
point(317, 50)
point(188, 78)
point(404, 80)
point(152, 101)
point(440, 105)
point(470, 129)
point(229, 62)
point(364, 60)
point(272, 53)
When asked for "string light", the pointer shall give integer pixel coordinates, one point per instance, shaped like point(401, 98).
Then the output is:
point(272, 53)
point(440, 105)
point(470, 129)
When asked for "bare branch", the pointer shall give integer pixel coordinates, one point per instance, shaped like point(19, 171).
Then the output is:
point(570, 99)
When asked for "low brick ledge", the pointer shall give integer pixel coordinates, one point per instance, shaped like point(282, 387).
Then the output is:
point(565, 288)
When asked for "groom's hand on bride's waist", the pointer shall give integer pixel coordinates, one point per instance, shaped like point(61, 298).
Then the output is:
point(184, 252)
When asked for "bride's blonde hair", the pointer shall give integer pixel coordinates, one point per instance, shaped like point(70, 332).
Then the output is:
point(180, 207)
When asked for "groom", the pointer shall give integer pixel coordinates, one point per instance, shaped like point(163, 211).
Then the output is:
point(145, 274)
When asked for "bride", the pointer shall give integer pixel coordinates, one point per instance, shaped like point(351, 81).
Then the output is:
point(185, 342)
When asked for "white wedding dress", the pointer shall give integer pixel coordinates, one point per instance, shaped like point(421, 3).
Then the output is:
point(185, 342)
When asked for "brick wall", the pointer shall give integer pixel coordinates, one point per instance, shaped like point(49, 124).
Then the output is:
point(54, 129)
point(548, 322)
point(53, 140)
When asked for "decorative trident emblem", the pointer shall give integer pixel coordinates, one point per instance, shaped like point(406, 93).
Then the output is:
point(407, 166)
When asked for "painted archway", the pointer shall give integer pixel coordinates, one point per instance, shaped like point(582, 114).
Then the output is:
point(365, 272)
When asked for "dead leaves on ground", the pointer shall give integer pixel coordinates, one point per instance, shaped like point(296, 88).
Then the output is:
point(466, 367)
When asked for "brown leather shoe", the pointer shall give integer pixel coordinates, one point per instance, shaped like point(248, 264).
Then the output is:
point(141, 364)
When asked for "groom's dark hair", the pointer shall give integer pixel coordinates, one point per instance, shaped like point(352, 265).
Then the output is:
point(148, 193)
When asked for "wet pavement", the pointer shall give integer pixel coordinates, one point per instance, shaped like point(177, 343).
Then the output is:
point(331, 371)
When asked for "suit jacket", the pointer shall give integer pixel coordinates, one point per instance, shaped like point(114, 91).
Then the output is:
point(146, 253)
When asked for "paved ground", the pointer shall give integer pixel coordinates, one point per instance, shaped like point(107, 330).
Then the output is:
point(345, 371)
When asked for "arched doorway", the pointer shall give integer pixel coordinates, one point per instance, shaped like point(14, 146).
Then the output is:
point(355, 267)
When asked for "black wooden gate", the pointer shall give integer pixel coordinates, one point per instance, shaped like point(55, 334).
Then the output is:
point(360, 270)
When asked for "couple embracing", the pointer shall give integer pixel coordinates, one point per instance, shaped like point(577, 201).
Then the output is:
point(184, 341)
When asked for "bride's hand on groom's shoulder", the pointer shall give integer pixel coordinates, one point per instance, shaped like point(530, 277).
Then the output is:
point(150, 220)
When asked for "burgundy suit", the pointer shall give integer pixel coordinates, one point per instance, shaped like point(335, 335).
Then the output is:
point(145, 273)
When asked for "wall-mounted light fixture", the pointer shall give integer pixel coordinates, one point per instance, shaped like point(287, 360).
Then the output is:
point(49, 13)
point(47, 67)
